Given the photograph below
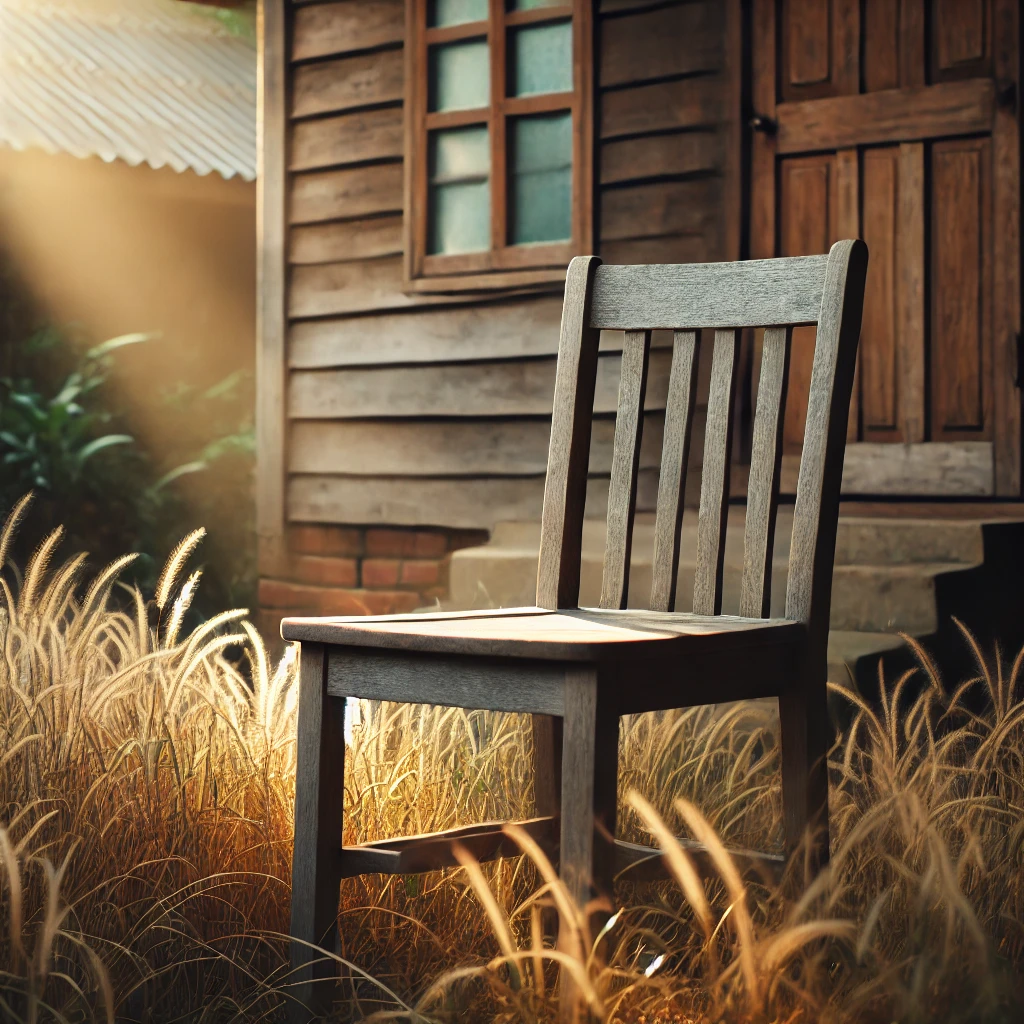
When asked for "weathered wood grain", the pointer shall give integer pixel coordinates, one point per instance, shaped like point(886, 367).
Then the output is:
point(910, 260)
point(629, 425)
point(354, 192)
point(675, 40)
point(446, 682)
point(466, 447)
point(694, 248)
point(765, 471)
point(331, 86)
point(809, 586)
point(342, 240)
point(753, 293)
point(347, 139)
point(675, 458)
point(319, 803)
point(521, 388)
point(466, 503)
point(657, 208)
point(662, 106)
point(271, 279)
point(892, 115)
point(321, 30)
point(680, 153)
point(484, 330)
point(561, 534)
point(1006, 245)
point(357, 287)
point(714, 491)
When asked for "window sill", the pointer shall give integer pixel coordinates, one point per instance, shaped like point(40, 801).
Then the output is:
point(545, 278)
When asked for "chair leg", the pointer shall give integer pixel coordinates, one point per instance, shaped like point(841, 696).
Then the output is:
point(806, 738)
point(316, 862)
point(547, 763)
point(590, 747)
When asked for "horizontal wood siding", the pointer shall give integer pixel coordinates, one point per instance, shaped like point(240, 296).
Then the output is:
point(433, 410)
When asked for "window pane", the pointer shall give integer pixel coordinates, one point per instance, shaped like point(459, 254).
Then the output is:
point(460, 76)
point(540, 178)
point(530, 5)
point(456, 12)
point(459, 190)
point(540, 59)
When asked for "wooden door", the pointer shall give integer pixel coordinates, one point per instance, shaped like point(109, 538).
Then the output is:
point(896, 121)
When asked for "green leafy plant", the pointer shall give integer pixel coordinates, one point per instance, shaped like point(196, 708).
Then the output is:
point(47, 442)
point(64, 437)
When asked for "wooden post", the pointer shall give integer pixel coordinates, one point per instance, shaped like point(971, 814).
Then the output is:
point(590, 762)
point(316, 860)
point(271, 242)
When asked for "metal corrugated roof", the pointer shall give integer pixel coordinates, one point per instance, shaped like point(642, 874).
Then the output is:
point(144, 81)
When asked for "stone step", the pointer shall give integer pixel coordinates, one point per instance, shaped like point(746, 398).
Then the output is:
point(859, 540)
point(878, 593)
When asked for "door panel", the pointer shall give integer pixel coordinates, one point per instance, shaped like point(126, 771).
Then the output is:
point(819, 48)
point(807, 187)
point(960, 282)
point(961, 39)
point(929, 177)
point(878, 364)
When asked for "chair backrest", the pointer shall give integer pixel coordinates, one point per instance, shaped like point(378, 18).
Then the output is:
point(779, 294)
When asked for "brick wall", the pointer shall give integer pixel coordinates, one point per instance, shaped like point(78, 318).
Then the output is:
point(353, 570)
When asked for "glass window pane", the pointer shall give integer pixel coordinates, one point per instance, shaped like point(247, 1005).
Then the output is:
point(540, 178)
point(532, 5)
point(540, 59)
point(459, 190)
point(460, 75)
point(455, 12)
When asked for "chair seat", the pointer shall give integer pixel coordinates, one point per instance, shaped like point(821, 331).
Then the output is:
point(584, 634)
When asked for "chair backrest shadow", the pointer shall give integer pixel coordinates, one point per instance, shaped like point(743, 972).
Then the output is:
point(777, 295)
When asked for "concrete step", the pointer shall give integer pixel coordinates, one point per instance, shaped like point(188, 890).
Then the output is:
point(879, 593)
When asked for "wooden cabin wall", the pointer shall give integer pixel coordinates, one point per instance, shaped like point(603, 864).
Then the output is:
point(415, 422)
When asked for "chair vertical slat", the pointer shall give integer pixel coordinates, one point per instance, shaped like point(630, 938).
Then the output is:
point(816, 513)
point(629, 426)
point(765, 468)
point(675, 455)
point(565, 489)
point(714, 490)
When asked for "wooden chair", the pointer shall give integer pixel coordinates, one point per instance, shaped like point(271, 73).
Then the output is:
point(583, 668)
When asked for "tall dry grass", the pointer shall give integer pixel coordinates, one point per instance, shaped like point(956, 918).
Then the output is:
point(146, 786)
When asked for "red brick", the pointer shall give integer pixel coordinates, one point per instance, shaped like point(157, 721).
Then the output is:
point(319, 539)
point(390, 543)
point(430, 545)
point(380, 572)
point(467, 539)
point(280, 594)
point(391, 602)
point(326, 572)
point(421, 574)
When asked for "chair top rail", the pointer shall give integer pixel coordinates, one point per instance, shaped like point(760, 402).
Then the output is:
point(753, 293)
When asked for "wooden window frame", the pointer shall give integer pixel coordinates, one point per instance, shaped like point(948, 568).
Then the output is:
point(503, 265)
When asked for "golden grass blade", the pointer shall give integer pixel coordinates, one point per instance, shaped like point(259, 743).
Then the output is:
point(778, 950)
point(678, 861)
point(14, 890)
point(37, 569)
point(172, 567)
point(495, 915)
point(705, 834)
point(11, 526)
point(181, 605)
